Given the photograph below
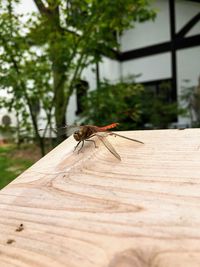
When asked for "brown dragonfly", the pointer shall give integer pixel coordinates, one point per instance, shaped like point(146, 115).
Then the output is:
point(86, 132)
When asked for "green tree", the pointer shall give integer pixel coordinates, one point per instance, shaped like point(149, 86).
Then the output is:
point(25, 75)
point(70, 35)
point(119, 102)
point(78, 33)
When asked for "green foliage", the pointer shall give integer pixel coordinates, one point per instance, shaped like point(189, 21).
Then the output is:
point(118, 102)
point(158, 114)
point(131, 105)
point(10, 167)
point(25, 74)
point(42, 59)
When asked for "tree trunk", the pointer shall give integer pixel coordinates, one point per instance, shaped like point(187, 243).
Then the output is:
point(39, 139)
point(51, 13)
point(60, 101)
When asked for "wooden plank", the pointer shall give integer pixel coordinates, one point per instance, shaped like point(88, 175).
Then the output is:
point(90, 209)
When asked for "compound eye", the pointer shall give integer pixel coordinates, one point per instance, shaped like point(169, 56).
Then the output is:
point(76, 136)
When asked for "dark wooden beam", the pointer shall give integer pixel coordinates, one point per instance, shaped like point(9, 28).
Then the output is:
point(188, 26)
point(97, 75)
point(173, 48)
point(179, 43)
point(143, 52)
point(196, 1)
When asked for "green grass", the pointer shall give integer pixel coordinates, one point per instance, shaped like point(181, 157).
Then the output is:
point(11, 165)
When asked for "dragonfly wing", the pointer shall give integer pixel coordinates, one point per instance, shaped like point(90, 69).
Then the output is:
point(53, 132)
point(125, 137)
point(71, 129)
point(108, 145)
point(65, 130)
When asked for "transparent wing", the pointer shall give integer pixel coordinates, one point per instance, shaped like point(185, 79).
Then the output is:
point(70, 129)
point(108, 145)
point(52, 132)
point(65, 130)
point(125, 137)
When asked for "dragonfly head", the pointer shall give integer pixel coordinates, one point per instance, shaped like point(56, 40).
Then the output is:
point(77, 135)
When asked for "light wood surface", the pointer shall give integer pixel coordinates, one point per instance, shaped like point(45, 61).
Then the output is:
point(92, 210)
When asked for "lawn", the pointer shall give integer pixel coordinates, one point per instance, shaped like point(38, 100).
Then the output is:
point(14, 161)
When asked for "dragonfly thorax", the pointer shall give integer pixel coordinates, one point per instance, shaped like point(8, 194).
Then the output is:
point(84, 132)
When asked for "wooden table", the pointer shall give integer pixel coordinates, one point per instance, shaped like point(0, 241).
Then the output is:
point(92, 210)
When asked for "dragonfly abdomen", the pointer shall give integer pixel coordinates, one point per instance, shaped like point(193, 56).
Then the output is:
point(107, 127)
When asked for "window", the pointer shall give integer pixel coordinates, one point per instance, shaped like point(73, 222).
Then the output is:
point(161, 89)
point(159, 106)
point(81, 91)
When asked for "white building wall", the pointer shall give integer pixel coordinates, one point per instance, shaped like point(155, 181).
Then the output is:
point(194, 31)
point(153, 67)
point(149, 32)
point(150, 68)
point(89, 75)
point(185, 11)
point(110, 69)
point(71, 109)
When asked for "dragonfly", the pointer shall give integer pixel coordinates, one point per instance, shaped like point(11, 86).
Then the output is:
point(84, 133)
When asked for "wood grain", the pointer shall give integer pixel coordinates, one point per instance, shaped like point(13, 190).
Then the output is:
point(92, 210)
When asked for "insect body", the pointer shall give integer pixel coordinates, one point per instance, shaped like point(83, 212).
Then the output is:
point(86, 132)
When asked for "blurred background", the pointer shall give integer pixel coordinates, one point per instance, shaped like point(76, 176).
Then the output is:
point(95, 62)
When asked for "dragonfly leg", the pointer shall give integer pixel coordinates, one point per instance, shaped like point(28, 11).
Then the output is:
point(77, 145)
point(81, 146)
point(93, 142)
